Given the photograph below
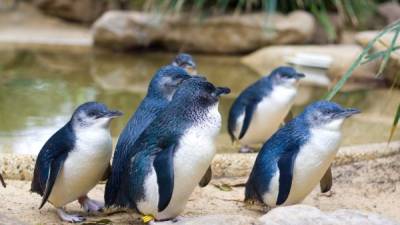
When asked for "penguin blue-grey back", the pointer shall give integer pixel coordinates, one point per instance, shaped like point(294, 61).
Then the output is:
point(160, 91)
point(260, 109)
point(294, 159)
point(178, 144)
point(62, 172)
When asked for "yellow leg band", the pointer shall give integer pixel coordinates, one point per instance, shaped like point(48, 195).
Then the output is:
point(147, 218)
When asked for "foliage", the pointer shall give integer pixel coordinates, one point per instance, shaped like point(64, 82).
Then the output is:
point(368, 55)
point(354, 13)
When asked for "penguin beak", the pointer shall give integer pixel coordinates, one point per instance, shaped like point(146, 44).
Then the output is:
point(113, 114)
point(222, 91)
point(191, 69)
point(300, 76)
point(348, 112)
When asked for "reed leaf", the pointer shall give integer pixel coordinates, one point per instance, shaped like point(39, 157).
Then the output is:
point(394, 125)
point(364, 54)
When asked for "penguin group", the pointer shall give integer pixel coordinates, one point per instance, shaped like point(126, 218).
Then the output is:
point(166, 148)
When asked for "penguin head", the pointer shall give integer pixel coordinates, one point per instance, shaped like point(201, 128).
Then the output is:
point(327, 115)
point(286, 76)
point(199, 91)
point(186, 62)
point(93, 114)
point(166, 81)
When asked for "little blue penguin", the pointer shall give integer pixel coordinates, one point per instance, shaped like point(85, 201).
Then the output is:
point(75, 159)
point(186, 62)
point(160, 91)
point(294, 159)
point(176, 150)
point(261, 108)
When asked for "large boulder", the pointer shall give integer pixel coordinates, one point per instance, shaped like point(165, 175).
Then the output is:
point(266, 59)
point(393, 67)
point(217, 34)
point(85, 11)
point(305, 215)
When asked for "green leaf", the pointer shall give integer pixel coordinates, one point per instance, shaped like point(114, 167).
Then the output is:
point(359, 60)
point(395, 122)
point(223, 187)
point(388, 52)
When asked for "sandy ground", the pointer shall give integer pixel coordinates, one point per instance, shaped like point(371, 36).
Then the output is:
point(372, 186)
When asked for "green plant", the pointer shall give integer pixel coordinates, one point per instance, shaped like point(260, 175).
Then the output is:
point(352, 12)
point(368, 55)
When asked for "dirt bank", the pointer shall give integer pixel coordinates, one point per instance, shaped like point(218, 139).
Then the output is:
point(372, 186)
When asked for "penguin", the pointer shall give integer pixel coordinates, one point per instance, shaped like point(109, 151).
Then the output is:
point(75, 159)
point(176, 150)
point(261, 108)
point(186, 62)
point(160, 91)
point(2, 181)
point(294, 159)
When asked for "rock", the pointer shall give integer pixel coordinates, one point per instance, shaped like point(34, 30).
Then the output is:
point(393, 66)
point(214, 220)
point(266, 59)
point(321, 36)
point(305, 215)
point(390, 11)
point(218, 34)
point(21, 166)
point(85, 11)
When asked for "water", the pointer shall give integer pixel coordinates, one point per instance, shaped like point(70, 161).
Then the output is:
point(39, 89)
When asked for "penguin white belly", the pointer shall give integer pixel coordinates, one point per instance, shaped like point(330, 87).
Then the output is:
point(312, 161)
point(149, 205)
point(193, 156)
point(271, 195)
point(268, 116)
point(84, 167)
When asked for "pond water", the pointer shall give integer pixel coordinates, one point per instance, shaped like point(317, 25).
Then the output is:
point(39, 89)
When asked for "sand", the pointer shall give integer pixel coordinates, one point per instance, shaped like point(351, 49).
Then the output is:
point(372, 186)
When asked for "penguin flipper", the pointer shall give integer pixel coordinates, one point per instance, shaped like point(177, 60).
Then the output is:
point(107, 173)
point(53, 171)
point(205, 180)
point(285, 165)
point(326, 181)
point(2, 181)
point(250, 108)
point(164, 167)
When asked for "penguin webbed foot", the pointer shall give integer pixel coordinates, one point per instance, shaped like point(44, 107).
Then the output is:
point(71, 218)
point(246, 149)
point(166, 221)
point(90, 205)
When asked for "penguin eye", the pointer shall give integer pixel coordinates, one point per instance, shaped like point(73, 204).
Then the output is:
point(91, 114)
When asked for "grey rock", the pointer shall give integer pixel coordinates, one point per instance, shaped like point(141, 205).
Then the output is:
point(305, 215)
point(76, 10)
point(393, 65)
point(214, 220)
point(266, 59)
point(217, 34)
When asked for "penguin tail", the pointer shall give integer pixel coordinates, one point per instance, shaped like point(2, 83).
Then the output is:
point(251, 195)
